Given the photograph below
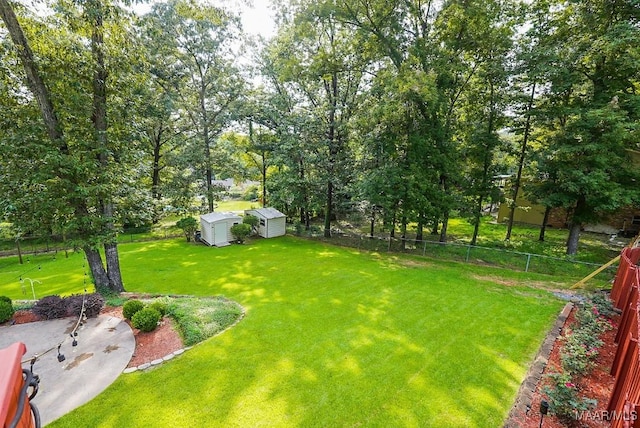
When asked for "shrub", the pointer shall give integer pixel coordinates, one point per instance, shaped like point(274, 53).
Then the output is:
point(159, 306)
point(252, 221)
point(6, 311)
point(564, 401)
point(6, 299)
point(50, 307)
point(94, 302)
point(131, 307)
point(146, 319)
point(189, 225)
point(240, 231)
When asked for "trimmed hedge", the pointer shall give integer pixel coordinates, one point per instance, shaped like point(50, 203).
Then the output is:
point(131, 307)
point(146, 319)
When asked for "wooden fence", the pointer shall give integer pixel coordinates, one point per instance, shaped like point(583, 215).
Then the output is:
point(624, 404)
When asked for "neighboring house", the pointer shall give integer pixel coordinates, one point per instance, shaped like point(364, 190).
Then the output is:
point(225, 184)
point(215, 228)
point(271, 222)
point(625, 221)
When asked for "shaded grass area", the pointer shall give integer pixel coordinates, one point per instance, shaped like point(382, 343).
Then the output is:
point(331, 337)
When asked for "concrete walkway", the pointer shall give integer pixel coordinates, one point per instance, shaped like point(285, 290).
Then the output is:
point(104, 348)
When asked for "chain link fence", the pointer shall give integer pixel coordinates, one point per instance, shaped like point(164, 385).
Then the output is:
point(454, 251)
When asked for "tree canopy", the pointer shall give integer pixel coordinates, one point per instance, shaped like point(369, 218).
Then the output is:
point(401, 111)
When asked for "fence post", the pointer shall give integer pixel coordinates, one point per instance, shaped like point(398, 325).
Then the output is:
point(468, 253)
point(526, 269)
point(424, 248)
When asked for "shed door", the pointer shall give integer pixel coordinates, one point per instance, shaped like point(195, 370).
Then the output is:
point(220, 233)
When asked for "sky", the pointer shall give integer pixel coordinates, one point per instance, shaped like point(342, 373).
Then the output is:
point(256, 19)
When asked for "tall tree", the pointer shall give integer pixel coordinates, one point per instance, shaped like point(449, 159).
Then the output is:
point(592, 109)
point(326, 74)
point(199, 43)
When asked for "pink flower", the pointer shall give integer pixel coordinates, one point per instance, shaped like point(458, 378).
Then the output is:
point(569, 385)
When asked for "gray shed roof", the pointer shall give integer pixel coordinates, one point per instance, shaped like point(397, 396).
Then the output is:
point(267, 213)
point(213, 217)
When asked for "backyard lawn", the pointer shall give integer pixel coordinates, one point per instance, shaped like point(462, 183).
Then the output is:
point(331, 337)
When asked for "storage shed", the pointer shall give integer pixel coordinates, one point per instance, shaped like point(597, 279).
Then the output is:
point(215, 228)
point(272, 222)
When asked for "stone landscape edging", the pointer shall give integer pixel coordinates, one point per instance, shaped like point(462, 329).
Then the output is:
point(522, 405)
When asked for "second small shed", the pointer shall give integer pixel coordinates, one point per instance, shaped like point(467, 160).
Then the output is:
point(271, 221)
point(215, 228)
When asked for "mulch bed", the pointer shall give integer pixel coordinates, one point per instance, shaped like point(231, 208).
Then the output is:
point(598, 384)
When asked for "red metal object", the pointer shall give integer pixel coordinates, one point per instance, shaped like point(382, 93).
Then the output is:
point(11, 387)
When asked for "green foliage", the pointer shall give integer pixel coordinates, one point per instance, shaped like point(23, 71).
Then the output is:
point(159, 306)
point(564, 400)
point(251, 193)
point(6, 299)
point(131, 307)
point(146, 319)
point(251, 220)
point(6, 311)
point(189, 225)
point(240, 231)
point(580, 349)
point(199, 319)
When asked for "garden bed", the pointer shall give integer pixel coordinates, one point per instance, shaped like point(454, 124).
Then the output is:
point(598, 385)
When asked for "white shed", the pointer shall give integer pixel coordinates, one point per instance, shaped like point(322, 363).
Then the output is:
point(272, 222)
point(215, 228)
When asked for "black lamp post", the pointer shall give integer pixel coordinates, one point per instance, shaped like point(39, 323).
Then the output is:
point(544, 409)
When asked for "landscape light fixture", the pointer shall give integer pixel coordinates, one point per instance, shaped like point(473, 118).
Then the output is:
point(544, 409)
point(60, 356)
point(75, 342)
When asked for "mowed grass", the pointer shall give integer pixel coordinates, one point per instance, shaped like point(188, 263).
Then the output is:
point(331, 337)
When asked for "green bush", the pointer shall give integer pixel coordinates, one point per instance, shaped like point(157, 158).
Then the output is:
point(159, 306)
point(6, 299)
point(240, 231)
point(146, 319)
point(131, 307)
point(564, 401)
point(6, 311)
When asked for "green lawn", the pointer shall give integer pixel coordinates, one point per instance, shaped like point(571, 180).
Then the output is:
point(331, 337)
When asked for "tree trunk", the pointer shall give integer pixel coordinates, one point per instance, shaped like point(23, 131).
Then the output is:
point(373, 222)
point(445, 224)
point(100, 277)
point(327, 211)
point(113, 267)
point(523, 154)
point(545, 220)
point(114, 279)
point(155, 175)
point(477, 219)
point(403, 228)
point(573, 239)
point(207, 149)
point(34, 81)
point(264, 179)
point(19, 250)
point(420, 231)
